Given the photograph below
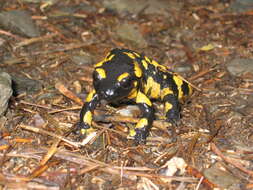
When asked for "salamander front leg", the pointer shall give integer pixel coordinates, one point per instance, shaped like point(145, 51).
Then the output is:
point(86, 113)
point(142, 128)
point(172, 108)
point(171, 105)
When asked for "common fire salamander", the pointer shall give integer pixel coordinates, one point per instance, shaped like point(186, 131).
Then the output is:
point(126, 74)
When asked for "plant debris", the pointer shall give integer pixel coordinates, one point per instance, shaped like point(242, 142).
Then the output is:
point(49, 59)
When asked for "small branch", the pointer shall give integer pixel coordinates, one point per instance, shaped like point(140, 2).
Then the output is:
point(62, 89)
point(41, 131)
point(235, 164)
point(11, 35)
point(34, 40)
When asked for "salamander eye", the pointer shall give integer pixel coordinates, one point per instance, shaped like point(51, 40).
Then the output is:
point(126, 83)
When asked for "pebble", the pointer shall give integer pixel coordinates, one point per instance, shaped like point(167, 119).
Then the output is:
point(5, 92)
point(23, 84)
point(20, 22)
point(161, 7)
point(182, 68)
point(63, 11)
point(248, 108)
point(83, 59)
point(239, 6)
point(219, 177)
point(2, 48)
point(40, 1)
point(80, 7)
point(130, 33)
point(239, 66)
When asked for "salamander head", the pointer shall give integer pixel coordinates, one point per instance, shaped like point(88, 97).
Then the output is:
point(114, 78)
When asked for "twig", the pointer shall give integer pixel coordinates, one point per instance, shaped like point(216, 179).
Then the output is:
point(194, 172)
point(11, 35)
point(199, 183)
point(235, 164)
point(65, 109)
point(93, 164)
point(41, 131)
point(33, 40)
point(49, 108)
point(36, 105)
point(50, 152)
point(202, 73)
point(59, 86)
point(98, 116)
point(67, 47)
point(88, 169)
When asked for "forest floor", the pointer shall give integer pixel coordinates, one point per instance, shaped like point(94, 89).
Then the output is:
point(48, 48)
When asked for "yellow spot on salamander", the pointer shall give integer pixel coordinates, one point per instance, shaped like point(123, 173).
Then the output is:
point(153, 88)
point(155, 63)
point(101, 73)
point(108, 54)
point(142, 98)
point(142, 123)
point(87, 118)
point(110, 57)
point(137, 70)
point(132, 94)
point(90, 96)
point(132, 132)
point(83, 131)
point(147, 59)
point(134, 91)
point(163, 68)
point(145, 64)
point(179, 83)
point(122, 76)
point(136, 54)
point(168, 106)
point(165, 92)
point(99, 64)
point(131, 55)
point(87, 131)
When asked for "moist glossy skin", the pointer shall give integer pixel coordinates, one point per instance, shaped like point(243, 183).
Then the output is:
point(126, 74)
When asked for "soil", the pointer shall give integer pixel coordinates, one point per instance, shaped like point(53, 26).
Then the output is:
point(209, 43)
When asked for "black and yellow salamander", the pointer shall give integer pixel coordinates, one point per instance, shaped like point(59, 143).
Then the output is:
point(126, 74)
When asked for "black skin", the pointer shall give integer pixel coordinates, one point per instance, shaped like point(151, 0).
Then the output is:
point(88, 106)
point(142, 133)
point(110, 89)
